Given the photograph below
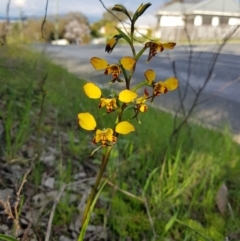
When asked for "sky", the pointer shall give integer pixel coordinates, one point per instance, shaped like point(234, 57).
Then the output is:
point(91, 8)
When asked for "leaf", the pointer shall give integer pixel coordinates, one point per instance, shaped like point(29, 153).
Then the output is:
point(222, 198)
point(85, 225)
point(170, 223)
point(123, 35)
point(7, 238)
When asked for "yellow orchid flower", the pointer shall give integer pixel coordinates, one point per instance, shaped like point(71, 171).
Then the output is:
point(110, 103)
point(155, 47)
point(140, 103)
point(94, 92)
point(161, 87)
point(114, 69)
point(105, 136)
point(111, 43)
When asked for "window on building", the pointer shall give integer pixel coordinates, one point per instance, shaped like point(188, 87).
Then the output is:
point(233, 21)
point(198, 20)
point(215, 21)
point(170, 21)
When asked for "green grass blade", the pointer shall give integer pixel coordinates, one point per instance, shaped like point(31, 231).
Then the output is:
point(7, 238)
point(84, 227)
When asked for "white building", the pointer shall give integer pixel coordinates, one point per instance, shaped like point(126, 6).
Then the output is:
point(207, 19)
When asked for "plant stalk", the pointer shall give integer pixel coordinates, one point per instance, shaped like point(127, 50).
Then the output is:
point(95, 187)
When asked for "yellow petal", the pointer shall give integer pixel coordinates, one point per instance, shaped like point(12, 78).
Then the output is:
point(143, 108)
point(109, 134)
point(150, 76)
point(141, 100)
point(127, 96)
point(160, 47)
point(171, 83)
point(92, 90)
point(111, 43)
point(128, 62)
point(98, 136)
point(87, 121)
point(124, 128)
point(98, 63)
point(169, 45)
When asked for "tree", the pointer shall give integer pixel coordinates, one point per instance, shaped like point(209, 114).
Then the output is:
point(77, 29)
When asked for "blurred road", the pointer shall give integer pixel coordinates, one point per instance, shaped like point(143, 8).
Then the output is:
point(222, 91)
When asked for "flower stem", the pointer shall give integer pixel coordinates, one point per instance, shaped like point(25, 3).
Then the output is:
point(94, 190)
point(139, 85)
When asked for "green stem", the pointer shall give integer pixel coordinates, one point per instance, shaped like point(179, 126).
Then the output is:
point(139, 85)
point(140, 53)
point(131, 45)
point(125, 76)
point(93, 193)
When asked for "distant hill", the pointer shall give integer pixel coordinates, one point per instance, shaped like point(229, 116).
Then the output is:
point(10, 18)
point(3, 18)
point(50, 17)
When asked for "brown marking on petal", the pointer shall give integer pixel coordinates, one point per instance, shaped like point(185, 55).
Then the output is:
point(154, 48)
point(108, 48)
point(104, 140)
point(115, 75)
point(106, 71)
point(161, 48)
point(114, 139)
point(111, 44)
point(146, 93)
point(109, 109)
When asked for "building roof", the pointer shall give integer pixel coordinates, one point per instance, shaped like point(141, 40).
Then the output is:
point(206, 7)
point(217, 7)
point(174, 8)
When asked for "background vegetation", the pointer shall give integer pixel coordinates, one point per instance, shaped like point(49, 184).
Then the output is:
point(183, 190)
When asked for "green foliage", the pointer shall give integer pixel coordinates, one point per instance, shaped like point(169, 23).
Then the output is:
point(7, 238)
point(180, 187)
point(64, 212)
point(128, 218)
point(30, 31)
